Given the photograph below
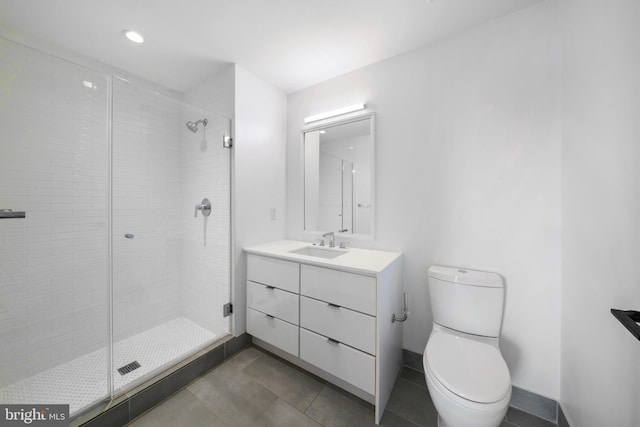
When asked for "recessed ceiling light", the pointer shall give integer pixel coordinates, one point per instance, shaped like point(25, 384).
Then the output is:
point(323, 131)
point(134, 36)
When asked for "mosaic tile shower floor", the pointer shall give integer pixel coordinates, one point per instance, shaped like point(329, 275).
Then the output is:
point(83, 381)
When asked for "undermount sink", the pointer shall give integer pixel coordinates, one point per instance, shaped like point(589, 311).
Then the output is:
point(318, 252)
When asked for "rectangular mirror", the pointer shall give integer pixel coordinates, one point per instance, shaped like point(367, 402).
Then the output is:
point(338, 177)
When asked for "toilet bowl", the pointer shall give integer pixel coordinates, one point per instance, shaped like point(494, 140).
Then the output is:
point(467, 378)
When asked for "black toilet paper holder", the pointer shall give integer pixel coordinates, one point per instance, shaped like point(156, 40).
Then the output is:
point(630, 320)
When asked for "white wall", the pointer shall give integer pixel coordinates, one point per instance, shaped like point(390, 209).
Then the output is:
point(600, 211)
point(467, 173)
point(216, 94)
point(260, 151)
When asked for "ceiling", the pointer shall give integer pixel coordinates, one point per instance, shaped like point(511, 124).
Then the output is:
point(291, 44)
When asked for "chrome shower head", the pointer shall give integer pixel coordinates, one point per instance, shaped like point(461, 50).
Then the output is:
point(193, 126)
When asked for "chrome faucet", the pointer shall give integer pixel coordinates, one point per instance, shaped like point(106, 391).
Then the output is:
point(332, 241)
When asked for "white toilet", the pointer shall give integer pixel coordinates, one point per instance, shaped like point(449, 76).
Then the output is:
point(467, 377)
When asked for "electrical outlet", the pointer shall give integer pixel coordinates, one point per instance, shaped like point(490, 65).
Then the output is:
point(273, 214)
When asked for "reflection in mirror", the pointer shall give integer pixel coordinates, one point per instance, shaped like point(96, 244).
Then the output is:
point(338, 182)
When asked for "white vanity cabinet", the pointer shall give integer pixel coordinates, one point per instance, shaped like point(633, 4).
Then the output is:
point(273, 302)
point(331, 317)
point(338, 324)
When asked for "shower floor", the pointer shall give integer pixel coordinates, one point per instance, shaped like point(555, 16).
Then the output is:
point(83, 381)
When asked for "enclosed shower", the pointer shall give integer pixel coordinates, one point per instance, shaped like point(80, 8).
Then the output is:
point(107, 278)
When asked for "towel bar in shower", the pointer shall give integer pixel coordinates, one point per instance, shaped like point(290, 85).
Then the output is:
point(9, 213)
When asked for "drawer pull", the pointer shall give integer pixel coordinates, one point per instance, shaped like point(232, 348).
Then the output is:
point(333, 305)
point(269, 316)
point(332, 341)
point(270, 287)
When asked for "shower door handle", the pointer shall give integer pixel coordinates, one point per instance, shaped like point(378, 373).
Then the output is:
point(205, 207)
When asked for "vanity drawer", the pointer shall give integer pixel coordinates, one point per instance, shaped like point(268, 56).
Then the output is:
point(274, 331)
point(273, 301)
point(344, 289)
point(274, 272)
point(350, 327)
point(344, 362)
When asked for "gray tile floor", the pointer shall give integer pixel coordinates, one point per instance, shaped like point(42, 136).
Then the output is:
point(255, 388)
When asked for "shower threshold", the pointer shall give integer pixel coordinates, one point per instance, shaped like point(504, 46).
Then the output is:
point(82, 382)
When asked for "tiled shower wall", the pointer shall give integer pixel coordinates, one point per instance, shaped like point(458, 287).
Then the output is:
point(53, 165)
point(206, 243)
point(176, 264)
point(147, 186)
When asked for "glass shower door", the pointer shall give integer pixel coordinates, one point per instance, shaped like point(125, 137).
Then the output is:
point(54, 157)
point(171, 259)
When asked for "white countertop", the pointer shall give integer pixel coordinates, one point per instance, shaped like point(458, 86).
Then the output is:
point(355, 260)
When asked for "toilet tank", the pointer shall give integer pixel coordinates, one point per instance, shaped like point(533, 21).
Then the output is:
point(466, 300)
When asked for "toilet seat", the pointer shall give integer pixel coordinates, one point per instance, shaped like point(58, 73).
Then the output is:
point(468, 368)
point(454, 410)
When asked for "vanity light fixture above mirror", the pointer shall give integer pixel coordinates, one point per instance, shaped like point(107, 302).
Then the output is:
point(333, 113)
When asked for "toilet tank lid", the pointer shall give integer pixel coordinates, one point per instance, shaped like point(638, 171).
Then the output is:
point(466, 277)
